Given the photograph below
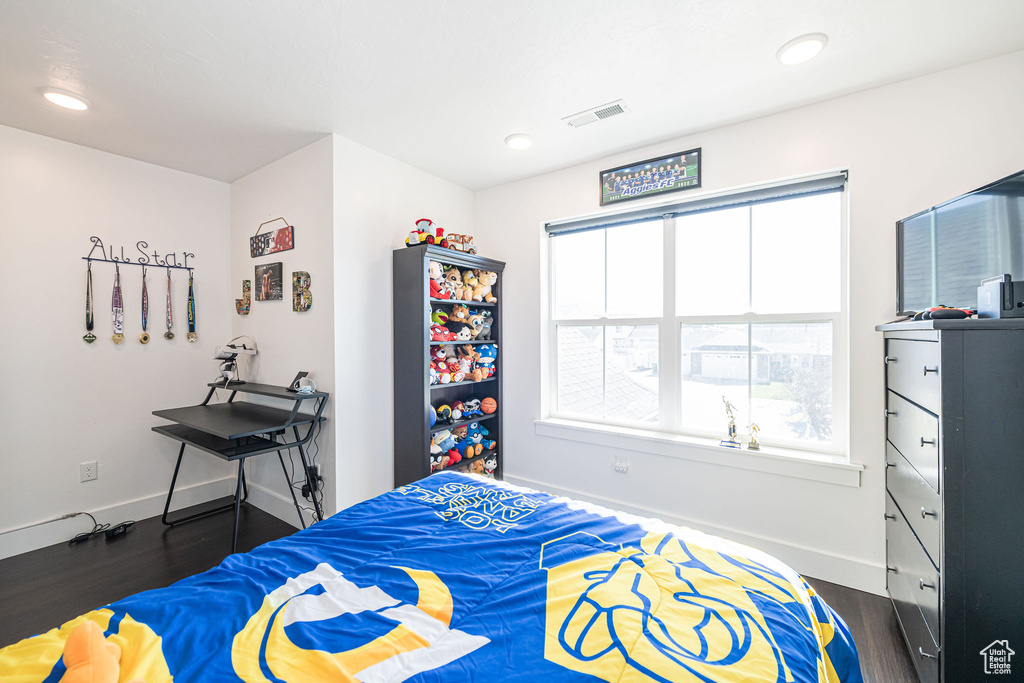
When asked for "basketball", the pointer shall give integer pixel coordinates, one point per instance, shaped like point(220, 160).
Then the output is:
point(488, 405)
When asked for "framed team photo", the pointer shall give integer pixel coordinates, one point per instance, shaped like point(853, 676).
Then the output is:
point(642, 179)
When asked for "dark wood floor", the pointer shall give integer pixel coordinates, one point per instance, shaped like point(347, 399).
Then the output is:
point(872, 621)
point(45, 588)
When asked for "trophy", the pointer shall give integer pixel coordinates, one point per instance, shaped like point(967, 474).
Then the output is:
point(754, 444)
point(730, 442)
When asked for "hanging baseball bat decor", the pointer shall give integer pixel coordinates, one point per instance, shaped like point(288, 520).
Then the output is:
point(89, 336)
point(117, 308)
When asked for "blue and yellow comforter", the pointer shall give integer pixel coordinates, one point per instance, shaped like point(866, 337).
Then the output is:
point(456, 578)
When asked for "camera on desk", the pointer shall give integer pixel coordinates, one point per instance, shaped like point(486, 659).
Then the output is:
point(1001, 297)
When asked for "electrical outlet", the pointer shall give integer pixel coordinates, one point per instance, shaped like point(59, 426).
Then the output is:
point(620, 465)
point(89, 470)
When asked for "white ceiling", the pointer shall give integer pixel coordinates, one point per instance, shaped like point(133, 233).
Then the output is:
point(220, 88)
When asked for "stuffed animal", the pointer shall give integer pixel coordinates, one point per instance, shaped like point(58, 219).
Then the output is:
point(453, 278)
point(444, 415)
point(460, 432)
point(90, 658)
point(467, 449)
point(485, 279)
point(437, 288)
point(478, 434)
point(437, 354)
point(477, 322)
point(476, 467)
point(461, 331)
point(469, 283)
point(439, 333)
point(460, 313)
point(443, 374)
point(488, 355)
point(438, 316)
point(457, 410)
point(487, 320)
point(433, 416)
point(445, 441)
point(455, 370)
point(490, 464)
point(435, 377)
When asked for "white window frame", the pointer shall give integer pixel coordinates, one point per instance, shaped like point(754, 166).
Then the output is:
point(669, 343)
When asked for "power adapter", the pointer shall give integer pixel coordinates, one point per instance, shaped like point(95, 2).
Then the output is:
point(121, 528)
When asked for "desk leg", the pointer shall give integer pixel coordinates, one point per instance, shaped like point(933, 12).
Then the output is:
point(170, 491)
point(292, 489)
point(238, 502)
point(312, 485)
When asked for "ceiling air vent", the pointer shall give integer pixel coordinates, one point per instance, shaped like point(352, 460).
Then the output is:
point(605, 111)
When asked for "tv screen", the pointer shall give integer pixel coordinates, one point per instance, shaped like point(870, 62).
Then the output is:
point(944, 253)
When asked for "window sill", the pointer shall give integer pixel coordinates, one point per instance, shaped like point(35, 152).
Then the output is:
point(784, 462)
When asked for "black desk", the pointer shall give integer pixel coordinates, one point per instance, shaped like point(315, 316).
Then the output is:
point(236, 431)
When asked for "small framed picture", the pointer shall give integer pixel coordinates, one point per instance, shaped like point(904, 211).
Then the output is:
point(268, 282)
point(642, 179)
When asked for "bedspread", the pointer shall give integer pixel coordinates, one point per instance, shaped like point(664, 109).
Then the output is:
point(457, 578)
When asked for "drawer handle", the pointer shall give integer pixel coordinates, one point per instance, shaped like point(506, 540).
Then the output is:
point(926, 513)
point(928, 369)
point(925, 654)
point(890, 413)
point(891, 569)
point(888, 516)
point(889, 464)
point(890, 359)
point(924, 585)
point(927, 441)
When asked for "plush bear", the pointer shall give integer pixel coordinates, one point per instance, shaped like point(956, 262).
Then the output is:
point(453, 283)
point(460, 313)
point(460, 432)
point(437, 354)
point(476, 467)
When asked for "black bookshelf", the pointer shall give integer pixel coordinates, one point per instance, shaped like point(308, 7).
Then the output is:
point(413, 392)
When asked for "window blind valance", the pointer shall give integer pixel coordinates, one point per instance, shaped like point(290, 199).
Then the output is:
point(801, 188)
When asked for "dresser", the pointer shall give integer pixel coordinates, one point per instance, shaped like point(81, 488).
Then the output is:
point(954, 503)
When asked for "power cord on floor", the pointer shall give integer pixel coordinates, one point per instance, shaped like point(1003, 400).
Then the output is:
point(97, 528)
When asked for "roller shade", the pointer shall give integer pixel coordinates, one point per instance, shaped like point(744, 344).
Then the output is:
point(802, 188)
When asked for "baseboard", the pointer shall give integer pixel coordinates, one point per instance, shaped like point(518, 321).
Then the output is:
point(27, 539)
point(834, 568)
point(276, 504)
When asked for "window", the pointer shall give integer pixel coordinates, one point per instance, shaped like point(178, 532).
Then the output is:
point(658, 314)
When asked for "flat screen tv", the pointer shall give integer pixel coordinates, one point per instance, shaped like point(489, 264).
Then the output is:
point(943, 253)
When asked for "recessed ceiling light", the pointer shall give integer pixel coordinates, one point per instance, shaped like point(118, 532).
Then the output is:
point(63, 98)
point(519, 141)
point(802, 49)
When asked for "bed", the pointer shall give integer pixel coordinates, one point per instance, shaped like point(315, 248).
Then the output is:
point(460, 578)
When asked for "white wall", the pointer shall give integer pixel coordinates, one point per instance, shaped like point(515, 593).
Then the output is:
point(907, 146)
point(300, 188)
point(377, 200)
point(63, 401)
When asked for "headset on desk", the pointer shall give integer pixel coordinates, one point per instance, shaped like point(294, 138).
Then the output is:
point(304, 385)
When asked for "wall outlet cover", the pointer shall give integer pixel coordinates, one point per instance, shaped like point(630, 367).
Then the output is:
point(89, 470)
point(620, 465)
